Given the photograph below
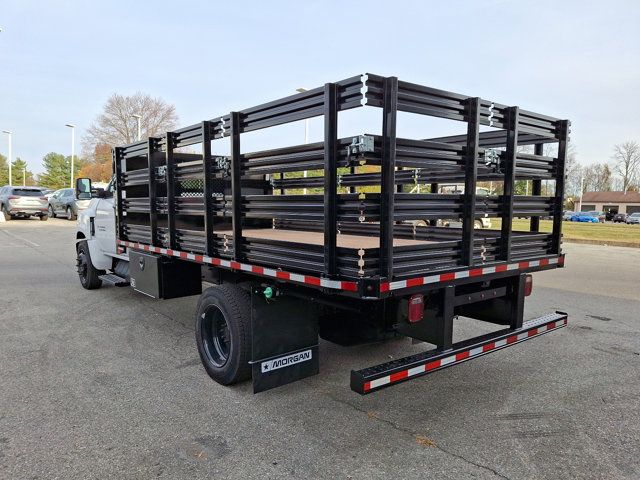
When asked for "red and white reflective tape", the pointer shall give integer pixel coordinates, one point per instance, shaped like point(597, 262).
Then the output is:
point(463, 356)
point(263, 271)
point(474, 272)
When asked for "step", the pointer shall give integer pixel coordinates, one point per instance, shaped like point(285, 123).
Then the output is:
point(115, 280)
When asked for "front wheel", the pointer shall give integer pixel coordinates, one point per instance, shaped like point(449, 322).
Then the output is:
point(52, 214)
point(70, 214)
point(477, 225)
point(89, 275)
point(223, 333)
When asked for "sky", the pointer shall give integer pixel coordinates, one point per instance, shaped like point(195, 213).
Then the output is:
point(60, 61)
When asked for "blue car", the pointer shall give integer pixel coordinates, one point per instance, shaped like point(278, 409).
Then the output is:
point(585, 217)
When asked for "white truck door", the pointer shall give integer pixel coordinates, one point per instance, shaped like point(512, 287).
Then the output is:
point(105, 226)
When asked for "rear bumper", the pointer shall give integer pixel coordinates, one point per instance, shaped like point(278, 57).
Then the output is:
point(28, 210)
point(380, 376)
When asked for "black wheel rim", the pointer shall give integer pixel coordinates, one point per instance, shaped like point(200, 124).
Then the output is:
point(216, 337)
point(82, 267)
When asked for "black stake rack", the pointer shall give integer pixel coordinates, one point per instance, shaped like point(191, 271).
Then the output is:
point(241, 206)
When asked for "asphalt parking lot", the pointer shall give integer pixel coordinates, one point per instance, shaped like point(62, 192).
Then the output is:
point(108, 384)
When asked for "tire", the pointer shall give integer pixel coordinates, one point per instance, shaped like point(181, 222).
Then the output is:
point(89, 275)
point(44, 218)
point(52, 214)
point(70, 214)
point(477, 225)
point(7, 215)
point(223, 333)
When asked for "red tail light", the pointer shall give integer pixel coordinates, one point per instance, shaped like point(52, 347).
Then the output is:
point(416, 308)
point(13, 197)
point(528, 285)
point(44, 198)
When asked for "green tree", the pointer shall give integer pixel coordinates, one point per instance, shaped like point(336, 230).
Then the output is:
point(57, 170)
point(18, 167)
point(4, 171)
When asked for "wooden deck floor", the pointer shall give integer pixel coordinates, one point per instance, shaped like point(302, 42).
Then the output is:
point(317, 238)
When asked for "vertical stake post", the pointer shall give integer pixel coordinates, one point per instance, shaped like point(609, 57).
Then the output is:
point(563, 135)
point(171, 190)
point(236, 189)
point(536, 189)
point(208, 188)
point(388, 189)
point(513, 114)
point(117, 169)
point(330, 178)
point(471, 175)
point(152, 160)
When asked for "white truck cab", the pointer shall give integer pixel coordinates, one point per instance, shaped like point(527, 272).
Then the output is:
point(96, 232)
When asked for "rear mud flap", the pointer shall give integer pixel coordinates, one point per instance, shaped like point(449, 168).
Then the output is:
point(284, 340)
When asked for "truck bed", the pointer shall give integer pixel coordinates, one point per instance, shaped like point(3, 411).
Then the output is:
point(368, 211)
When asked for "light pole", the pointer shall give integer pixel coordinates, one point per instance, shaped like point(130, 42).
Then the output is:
point(138, 119)
point(306, 134)
point(9, 135)
point(24, 177)
point(73, 147)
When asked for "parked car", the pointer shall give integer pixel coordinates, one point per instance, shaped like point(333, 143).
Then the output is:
point(608, 216)
point(620, 218)
point(633, 218)
point(601, 216)
point(588, 217)
point(23, 202)
point(567, 215)
point(63, 202)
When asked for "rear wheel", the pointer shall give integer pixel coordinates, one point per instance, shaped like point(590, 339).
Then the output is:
point(89, 275)
point(7, 215)
point(223, 333)
point(44, 218)
point(70, 214)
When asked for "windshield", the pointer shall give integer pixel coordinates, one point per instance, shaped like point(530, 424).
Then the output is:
point(27, 192)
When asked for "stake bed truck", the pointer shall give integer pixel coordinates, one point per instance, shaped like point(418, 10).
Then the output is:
point(322, 240)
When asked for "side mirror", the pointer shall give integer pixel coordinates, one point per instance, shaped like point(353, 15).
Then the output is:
point(83, 189)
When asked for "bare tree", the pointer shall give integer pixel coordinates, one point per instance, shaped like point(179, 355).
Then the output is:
point(627, 157)
point(116, 125)
point(572, 169)
point(597, 178)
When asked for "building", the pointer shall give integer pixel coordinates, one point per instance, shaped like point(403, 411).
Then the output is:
point(614, 202)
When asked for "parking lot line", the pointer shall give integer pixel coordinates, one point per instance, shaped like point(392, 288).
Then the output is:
point(16, 237)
